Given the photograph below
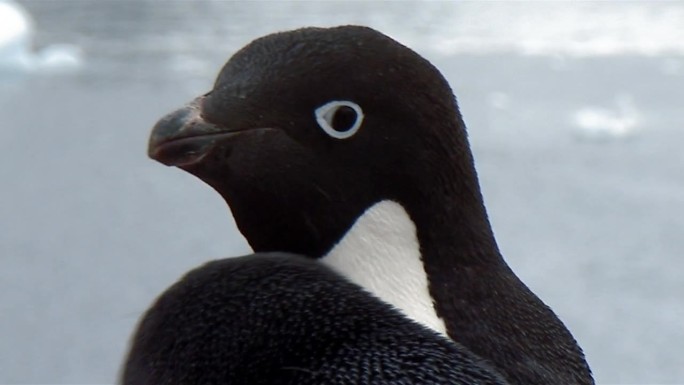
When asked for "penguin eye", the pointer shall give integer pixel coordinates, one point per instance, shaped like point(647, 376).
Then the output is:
point(339, 118)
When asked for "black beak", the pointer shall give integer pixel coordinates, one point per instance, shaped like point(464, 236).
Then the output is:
point(183, 138)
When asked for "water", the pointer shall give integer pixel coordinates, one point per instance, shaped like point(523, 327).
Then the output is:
point(588, 211)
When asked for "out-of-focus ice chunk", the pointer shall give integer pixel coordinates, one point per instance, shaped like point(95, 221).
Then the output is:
point(59, 57)
point(16, 29)
point(16, 45)
point(600, 123)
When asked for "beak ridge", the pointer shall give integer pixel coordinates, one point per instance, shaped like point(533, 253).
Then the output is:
point(182, 137)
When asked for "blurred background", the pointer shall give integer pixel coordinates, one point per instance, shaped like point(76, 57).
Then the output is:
point(575, 117)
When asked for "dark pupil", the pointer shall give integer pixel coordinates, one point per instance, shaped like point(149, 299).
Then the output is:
point(344, 118)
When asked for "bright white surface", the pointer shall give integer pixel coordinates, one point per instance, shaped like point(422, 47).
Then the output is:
point(620, 121)
point(381, 253)
point(579, 29)
point(16, 28)
point(16, 45)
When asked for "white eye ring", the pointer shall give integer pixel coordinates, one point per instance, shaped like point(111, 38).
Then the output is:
point(326, 113)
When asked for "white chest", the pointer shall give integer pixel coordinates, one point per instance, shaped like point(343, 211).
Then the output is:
point(381, 253)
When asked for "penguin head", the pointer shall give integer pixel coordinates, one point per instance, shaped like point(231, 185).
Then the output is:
point(306, 129)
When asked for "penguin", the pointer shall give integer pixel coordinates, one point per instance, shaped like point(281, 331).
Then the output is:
point(342, 145)
point(275, 318)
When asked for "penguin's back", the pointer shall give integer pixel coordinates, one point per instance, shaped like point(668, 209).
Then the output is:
point(285, 319)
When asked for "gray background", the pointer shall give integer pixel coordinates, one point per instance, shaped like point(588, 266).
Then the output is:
point(587, 211)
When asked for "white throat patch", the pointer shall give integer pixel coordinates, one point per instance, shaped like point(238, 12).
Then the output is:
point(381, 253)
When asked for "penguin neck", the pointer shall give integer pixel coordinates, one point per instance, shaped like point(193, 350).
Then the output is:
point(403, 250)
point(478, 296)
point(381, 253)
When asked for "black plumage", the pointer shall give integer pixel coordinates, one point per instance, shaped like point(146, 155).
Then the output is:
point(293, 188)
point(284, 319)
